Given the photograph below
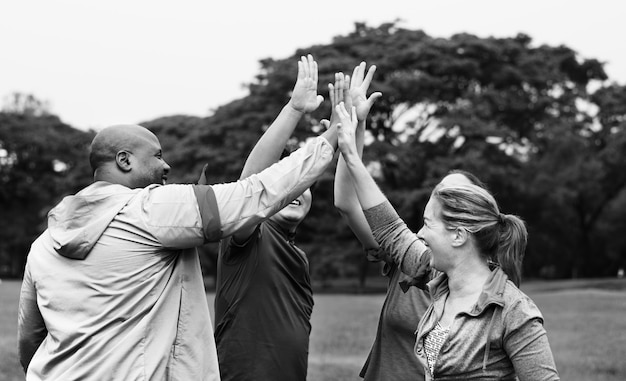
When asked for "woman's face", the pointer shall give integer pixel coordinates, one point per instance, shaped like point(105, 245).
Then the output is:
point(435, 235)
point(433, 232)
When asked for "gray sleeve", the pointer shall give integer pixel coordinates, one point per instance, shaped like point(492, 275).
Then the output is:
point(209, 212)
point(395, 238)
point(526, 343)
point(31, 329)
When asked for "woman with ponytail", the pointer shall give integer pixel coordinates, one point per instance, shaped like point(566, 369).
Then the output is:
point(468, 255)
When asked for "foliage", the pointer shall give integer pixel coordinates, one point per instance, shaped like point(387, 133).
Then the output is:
point(542, 126)
point(41, 160)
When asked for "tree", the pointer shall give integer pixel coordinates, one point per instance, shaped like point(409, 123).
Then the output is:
point(41, 160)
point(499, 107)
point(525, 118)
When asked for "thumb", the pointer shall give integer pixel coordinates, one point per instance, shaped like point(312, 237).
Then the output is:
point(373, 97)
point(325, 123)
point(320, 99)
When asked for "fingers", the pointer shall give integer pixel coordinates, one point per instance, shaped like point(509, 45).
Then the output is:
point(369, 76)
point(339, 88)
point(357, 75)
point(305, 66)
point(373, 97)
point(346, 117)
point(346, 92)
point(313, 65)
point(300, 70)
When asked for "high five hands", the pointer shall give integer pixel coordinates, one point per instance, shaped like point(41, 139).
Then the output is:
point(359, 85)
point(353, 92)
point(304, 97)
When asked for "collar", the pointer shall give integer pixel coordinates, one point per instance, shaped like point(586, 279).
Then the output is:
point(492, 293)
point(285, 233)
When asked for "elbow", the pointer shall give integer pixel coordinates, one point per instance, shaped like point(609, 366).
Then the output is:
point(341, 207)
point(344, 213)
point(345, 207)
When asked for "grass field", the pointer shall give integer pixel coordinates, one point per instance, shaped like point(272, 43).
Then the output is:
point(585, 320)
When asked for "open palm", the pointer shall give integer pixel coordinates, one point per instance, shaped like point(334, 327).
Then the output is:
point(304, 97)
point(359, 85)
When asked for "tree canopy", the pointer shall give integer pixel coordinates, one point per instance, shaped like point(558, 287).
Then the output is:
point(541, 125)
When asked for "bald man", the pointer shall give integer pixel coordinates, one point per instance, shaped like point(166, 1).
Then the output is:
point(112, 290)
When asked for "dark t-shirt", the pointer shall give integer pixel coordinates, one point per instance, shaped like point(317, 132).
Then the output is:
point(392, 356)
point(263, 306)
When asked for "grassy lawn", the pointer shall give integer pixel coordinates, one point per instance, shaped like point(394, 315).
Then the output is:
point(584, 319)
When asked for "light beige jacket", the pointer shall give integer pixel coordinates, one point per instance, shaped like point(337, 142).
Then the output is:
point(113, 289)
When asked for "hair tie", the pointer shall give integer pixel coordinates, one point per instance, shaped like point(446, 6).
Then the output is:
point(501, 219)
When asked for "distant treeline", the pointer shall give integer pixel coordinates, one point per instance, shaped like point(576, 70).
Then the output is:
point(543, 127)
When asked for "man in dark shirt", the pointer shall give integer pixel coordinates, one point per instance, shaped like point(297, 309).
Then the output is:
point(263, 300)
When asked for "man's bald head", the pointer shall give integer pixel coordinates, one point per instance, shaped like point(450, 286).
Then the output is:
point(110, 140)
point(129, 155)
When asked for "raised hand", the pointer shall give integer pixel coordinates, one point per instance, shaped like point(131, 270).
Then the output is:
point(338, 93)
point(346, 129)
point(304, 97)
point(358, 90)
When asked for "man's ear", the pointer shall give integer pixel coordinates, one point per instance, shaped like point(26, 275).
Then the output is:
point(460, 237)
point(122, 159)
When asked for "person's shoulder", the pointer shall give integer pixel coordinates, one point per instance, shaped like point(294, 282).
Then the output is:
point(517, 304)
point(172, 192)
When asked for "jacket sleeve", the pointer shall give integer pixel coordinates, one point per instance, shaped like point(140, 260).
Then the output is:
point(249, 201)
point(31, 329)
point(526, 343)
point(403, 246)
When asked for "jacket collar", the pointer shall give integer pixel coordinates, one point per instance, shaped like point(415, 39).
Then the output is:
point(285, 233)
point(492, 293)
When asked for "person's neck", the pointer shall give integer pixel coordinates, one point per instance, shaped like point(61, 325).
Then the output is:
point(468, 277)
point(284, 225)
point(103, 174)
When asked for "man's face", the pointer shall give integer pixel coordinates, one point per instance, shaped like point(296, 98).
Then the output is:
point(148, 165)
point(291, 215)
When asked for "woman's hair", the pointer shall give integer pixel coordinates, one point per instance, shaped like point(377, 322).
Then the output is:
point(500, 237)
point(470, 176)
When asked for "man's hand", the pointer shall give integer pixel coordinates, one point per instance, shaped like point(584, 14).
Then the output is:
point(304, 97)
point(358, 90)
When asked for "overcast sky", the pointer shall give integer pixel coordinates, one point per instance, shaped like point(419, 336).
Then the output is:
point(99, 63)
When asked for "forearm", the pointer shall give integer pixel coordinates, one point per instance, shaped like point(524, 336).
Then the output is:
point(330, 135)
point(395, 238)
point(346, 199)
point(268, 149)
point(347, 202)
point(247, 202)
point(367, 191)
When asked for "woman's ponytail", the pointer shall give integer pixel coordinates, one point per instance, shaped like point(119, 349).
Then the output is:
point(511, 246)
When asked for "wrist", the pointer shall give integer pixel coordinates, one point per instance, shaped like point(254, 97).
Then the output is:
point(289, 107)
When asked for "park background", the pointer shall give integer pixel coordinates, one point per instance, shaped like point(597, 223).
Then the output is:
point(542, 124)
